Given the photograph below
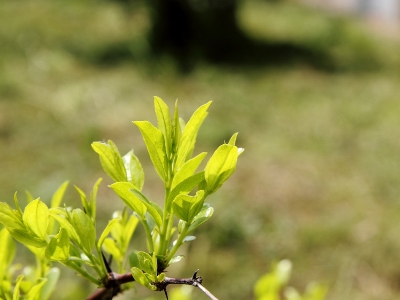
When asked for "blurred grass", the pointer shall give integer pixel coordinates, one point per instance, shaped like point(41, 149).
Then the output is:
point(318, 183)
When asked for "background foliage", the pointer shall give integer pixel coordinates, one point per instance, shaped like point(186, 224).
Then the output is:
point(318, 185)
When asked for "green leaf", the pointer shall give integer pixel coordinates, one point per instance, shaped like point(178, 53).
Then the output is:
point(64, 223)
point(83, 226)
point(189, 135)
point(146, 263)
point(186, 186)
point(152, 208)
point(133, 259)
point(141, 278)
point(187, 169)
point(35, 290)
point(106, 231)
point(52, 278)
point(27, 238)
point(58, 248)
point(221, 166)
point(10, 217)
point(134, 170)
point(111, 160)
point(36, 218)
point(58, 195)
point(16, 288)
point(154, 141)
point(124, 191)
point(8, 250)
point(187, 207)
point(164, 122)
point(201, 217)
point(112, 248)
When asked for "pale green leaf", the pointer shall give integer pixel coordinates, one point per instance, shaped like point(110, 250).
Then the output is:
point(16, 288)
point(124, 191)
point(112, 248)
point(141, 278)
point(10, 218)
point(154, 141)
point(187, 169)
point(221, 166)
point(27, 238)
point(36, 218)
point(8, 250)
point(83, 226)
point(134, 170)
point(52, 278)
point(35, 290)
point(187, 207)
point(189, 135)
point(58, 248)
point(106, 231)
point(164, 122)
point(111, 160)
point(146, 263)
point(185, 186)
point(58, 195)
point(64, 223)
point(201, 217)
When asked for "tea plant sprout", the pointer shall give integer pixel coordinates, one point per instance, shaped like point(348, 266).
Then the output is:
point(56, 233)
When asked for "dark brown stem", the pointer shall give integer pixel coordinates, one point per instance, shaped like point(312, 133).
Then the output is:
point(113, 283)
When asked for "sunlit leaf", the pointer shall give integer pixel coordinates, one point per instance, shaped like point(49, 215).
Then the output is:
point(35, 290)
point(154, 141)
point(134, 170)
point(8, 250)
point(187, 207)
point(111, 160)
point(36, 218)
point(124, 191)
point(83, 226)
point(64, 223)
point(58, 248)
point(187, 169)
point(221, 166)
point(52, 278)
point(16, 288)
point(186, 186)
point(106, 231)
point(146, 263)
point(58, 195)
point(164, 122)
point(189, 135)
point(201, 217)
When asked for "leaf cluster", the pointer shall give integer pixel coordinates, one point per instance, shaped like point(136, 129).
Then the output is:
point(68, 235)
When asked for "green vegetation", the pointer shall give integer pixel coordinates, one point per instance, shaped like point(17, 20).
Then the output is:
point(319, 183)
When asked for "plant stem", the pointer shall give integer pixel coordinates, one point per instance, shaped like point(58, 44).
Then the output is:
point(179, 242)
point(149, 238)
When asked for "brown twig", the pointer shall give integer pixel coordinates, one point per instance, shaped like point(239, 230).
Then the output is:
point(113, 283)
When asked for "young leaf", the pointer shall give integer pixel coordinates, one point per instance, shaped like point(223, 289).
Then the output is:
point(154, 141)
point(10, 218)
point(221, 166)
point(110, 160)
point(112, 248)
point(164, 122)
point(134, 170)
point(83, 226)
point(124, 191)
point(201, 217)
point(187, 169)
point(188, 138)
point(35, 290)
point(16, 288)
point(8, 250)
point(146, 263)
point(141, 278)
point(187, 207)
point(152, 208)
point(106, 231)
point(58, 248)
point(36, 218)
point(64, 223)
point(186, 186)
point(52, 277)
point(58, 195)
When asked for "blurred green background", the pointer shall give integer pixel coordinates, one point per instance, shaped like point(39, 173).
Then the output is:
point(314, 96)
